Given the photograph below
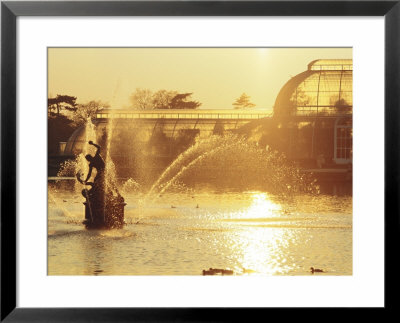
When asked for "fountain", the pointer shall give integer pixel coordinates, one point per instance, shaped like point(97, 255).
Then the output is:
point(228, 161)
point(104, 205)
point(220, 204)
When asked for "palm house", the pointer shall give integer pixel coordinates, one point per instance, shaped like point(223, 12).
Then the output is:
point(326, 88)
point(319, 104)
point(311, 123)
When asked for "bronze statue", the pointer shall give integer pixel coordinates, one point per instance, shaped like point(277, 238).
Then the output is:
point(104, 206)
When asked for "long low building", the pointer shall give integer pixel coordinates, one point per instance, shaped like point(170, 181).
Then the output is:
point(145, 124)
point(198, 114)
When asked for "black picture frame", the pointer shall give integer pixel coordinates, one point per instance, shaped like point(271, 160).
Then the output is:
point(11, 10)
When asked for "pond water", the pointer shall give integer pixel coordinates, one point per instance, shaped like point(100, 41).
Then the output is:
point(251, 233)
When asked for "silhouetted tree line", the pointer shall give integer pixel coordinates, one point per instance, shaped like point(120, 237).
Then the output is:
point(145, 99)
point(57, 104)
point(64, 115)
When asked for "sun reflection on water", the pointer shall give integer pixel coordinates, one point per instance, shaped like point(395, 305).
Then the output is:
point(261, 250)
point(252, 233)
point(261, 207)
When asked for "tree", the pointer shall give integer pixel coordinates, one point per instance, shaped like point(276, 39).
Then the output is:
point(243, 102)
point(61, 102)
point(87, 111)
point(162, 99)
point(142, 99)
point(59, 128)
point(145, 99)
point(180, 101)
point(299, 98)
point(342, 106)
point(59, 125)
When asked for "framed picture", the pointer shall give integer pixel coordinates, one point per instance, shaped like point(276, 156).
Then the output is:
point(185, 139)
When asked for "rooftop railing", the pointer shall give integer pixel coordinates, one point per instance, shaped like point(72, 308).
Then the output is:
point(224, 115)
point(245, 115)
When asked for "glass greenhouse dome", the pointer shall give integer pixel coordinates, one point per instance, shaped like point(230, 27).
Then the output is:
point(326, 88)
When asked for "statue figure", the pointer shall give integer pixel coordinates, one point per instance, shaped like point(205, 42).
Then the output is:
point(87, 193)
point(96, 162)
point(104, 206)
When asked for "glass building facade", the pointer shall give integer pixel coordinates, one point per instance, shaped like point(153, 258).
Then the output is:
point(326, 88)
point(317, 105)
point(311, 121)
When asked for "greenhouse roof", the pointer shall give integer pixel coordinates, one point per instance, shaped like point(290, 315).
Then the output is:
point(326, 88)
point(331, 65)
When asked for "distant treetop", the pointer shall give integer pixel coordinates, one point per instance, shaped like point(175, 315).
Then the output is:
point(145, 99)
point(60, 102)
point(243, 102)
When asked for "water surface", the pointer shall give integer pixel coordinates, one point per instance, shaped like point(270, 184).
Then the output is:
point(251, 233)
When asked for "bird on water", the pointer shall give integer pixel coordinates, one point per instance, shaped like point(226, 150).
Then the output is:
point(316, 270)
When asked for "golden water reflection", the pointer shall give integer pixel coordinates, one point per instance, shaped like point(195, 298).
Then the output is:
point(260, 250)
point(261, 207)
point(251, 233)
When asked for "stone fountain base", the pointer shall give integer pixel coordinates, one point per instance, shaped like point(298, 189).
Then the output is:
point(110, 216)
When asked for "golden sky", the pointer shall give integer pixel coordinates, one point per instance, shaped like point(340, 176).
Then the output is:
point(216, 76)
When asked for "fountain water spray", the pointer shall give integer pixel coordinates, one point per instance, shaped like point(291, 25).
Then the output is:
point(233, 158)
point(193, 152)
point(229, 160)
